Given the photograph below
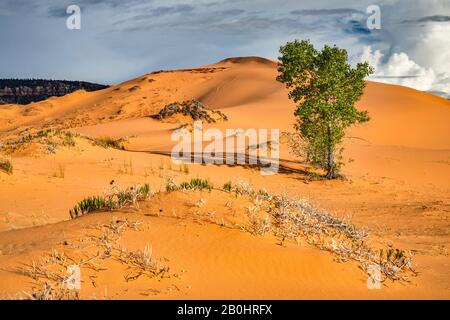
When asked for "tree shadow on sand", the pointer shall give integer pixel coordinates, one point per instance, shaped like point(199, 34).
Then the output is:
point(298, 169)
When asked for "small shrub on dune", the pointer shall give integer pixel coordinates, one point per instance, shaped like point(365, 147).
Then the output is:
point(51, 139)
point(68, 139)
point(141, 263)
point(108, 142)
point(240, 188)
point(262, 193)
point(90, 204)
point(243, 188)
point(392, 263)
point(50, 292)
point(6, 165)
point(26, 138)
point(196, 184)
point(131, 195)
point(228, 186)
point(113, 199)
point(43, 133)
point(259, 226)
point(144, 190)
point(171, 185)
point(295, 219)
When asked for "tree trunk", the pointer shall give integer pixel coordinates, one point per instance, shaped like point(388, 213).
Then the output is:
point(330, 165)
point(330, 155)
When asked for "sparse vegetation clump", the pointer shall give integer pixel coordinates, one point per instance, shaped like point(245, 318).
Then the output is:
point(50, 139)
point(90, 204)
point(286, 218)
point(108, 142)
point(196, 184)
point(50, 276)
point(6, 165)
point(141, 263)
point(49, 292)
point(239, 188)
point(228, 186)
point(68, 139)
point(115, 198)
point(297, 219)
point(258, 225)
point(171, 186)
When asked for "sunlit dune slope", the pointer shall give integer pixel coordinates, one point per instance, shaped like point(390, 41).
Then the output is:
point(246, 90)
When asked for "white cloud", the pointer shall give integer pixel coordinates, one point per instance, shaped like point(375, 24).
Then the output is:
point(400, 69)
point(412, 49)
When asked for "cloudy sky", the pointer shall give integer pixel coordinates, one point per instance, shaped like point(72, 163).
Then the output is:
point(120, 39)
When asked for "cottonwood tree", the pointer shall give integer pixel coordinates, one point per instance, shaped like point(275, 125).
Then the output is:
point(325, 87)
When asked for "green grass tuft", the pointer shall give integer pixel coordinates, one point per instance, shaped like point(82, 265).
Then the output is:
point(197, 184)
point(116, 199)
point(228, 186)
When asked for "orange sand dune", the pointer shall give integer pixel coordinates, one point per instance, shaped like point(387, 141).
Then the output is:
point(400, 116)
point(397, 187)
point(205, 259)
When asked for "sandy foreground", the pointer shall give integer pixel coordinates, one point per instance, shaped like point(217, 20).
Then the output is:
point(396, 186)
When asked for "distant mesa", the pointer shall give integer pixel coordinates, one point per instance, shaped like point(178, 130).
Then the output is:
point(18, 91)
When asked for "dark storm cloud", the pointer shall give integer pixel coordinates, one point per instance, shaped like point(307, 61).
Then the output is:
point(325, 12)
point(194, 18)
point(57, 12)
point(149, 15)
point(167, 10)
point(435, 18)
point(18, 6)
point(236, 22)
point(357, 27)
point(8, 7)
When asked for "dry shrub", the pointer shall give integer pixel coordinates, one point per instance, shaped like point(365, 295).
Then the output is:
point(259, 226)
point(108, 142)
point(296, 219)
point(50, 139)
point(6, 165)
point(141, 263)
point(49, 292)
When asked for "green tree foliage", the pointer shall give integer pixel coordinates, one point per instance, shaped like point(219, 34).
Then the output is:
point(325, 87)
